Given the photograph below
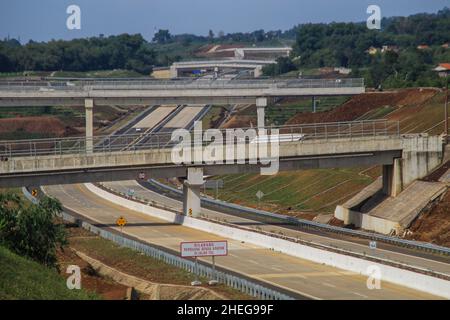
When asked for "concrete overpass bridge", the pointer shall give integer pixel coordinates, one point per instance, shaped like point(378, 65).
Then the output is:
point(91, 93)
point(179, 68)
point(157, 92)
point(404, 158)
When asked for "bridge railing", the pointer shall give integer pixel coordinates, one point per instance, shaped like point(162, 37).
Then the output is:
point(88, 85)
point(143, 141)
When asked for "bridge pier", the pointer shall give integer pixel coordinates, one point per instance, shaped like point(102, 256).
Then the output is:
point(261, 104)
point(89, 110)
point(191, 192)
point(392, 178)
point(173, 72)
point(258, 72)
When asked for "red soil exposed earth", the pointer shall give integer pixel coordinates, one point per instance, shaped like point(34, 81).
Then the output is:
point(361, 104)
point(45, 125)
point(434, 225)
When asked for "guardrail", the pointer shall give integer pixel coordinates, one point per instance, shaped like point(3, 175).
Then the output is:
point(224, 61)
point(115, 143)
point(239, 283)
point(428, 247)
point(280, 235)
point(88, 85)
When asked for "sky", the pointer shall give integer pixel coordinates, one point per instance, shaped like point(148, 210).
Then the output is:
point(43, 20)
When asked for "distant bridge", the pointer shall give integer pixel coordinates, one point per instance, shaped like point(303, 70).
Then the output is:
point(178, 68)
point(156, 92)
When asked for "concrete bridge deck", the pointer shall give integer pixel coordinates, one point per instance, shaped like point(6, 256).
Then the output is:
point(331, 145)
point(169, 92)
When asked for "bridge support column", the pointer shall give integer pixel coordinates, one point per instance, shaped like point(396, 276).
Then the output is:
point(392, 178)
point(261, 104)
point(191, 192)
point(258, 72)
point(89, 110)
point(173, 72)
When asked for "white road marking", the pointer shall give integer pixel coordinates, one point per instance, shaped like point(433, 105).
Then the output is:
point(361, 295)
point(328, 285)
point(277, 269)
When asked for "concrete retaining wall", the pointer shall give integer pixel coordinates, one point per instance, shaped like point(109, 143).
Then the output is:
point(395, 275)
point(366, 221)
point(421, 154)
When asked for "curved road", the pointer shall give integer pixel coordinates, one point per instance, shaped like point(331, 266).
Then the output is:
point(424, 263)
point(304, 277)
point(301, 276)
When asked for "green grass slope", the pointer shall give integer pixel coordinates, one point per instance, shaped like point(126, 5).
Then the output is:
point(24, 279)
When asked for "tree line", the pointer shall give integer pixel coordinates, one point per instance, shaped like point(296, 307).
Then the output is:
point(401, 64)
point(96, 53)
point(315, 45)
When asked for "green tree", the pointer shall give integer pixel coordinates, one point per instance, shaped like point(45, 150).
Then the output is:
point(162, 36)
point(211, 35)
point(31, 230)
point(283, 65)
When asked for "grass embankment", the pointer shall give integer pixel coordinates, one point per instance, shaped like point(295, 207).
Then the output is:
point(137, 264)
point(279, 113)
point(21, 278)
point(294, 193)
point(213, 117)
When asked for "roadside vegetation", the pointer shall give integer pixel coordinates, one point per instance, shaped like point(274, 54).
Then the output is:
point(29, 229)
point(36, 248)
point(402, 54)
point(139, 265)
point(24, 279)
point(29, 242)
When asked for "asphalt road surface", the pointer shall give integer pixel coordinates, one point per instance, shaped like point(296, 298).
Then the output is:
point(304, 277)
point(140, 191)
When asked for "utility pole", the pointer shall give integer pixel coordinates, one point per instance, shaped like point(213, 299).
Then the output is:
point(446, 108)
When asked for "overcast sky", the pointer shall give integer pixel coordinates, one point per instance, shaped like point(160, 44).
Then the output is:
point(43, 20)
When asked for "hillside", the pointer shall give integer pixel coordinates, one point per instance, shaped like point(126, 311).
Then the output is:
point(371, 105)
point(25, 279)
point(57, 121)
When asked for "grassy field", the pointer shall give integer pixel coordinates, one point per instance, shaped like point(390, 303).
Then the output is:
point(21, 278)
